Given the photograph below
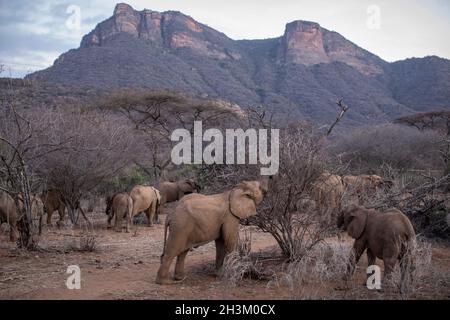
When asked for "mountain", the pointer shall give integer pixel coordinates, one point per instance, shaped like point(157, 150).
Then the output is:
point(299, 74)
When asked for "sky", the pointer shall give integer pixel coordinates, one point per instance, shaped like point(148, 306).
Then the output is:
point(34, 33)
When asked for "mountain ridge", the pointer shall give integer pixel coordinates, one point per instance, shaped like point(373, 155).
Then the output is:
point(301, 73)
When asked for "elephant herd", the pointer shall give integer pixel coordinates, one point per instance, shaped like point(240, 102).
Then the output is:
point(329, 189)
point(148, 199)
point(199, 219)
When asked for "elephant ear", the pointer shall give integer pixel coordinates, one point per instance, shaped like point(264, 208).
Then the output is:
point(242, 203)
point(356, 227)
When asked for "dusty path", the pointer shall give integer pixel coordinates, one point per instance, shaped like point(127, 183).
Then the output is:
point(124, 266)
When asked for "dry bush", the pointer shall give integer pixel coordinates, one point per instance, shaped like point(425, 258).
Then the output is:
point(239, 264)
point(301, 163)
point(310, 276)
point(417, 277)
point(88, 243)
point(364, 150)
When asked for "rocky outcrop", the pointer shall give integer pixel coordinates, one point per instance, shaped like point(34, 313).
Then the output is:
point(307, 43)
point(171, 29)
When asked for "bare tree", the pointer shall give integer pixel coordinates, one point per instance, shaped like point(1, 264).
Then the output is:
point(95, 146)
point(157, 113)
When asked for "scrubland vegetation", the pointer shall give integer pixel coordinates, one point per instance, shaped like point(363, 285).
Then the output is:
point(90, 151)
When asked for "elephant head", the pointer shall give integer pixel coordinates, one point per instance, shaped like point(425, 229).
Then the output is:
point(353, 219)
point(186, 186)
point(244, 197)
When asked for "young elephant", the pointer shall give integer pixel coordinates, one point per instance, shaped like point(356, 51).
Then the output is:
point(146, 198)
point(121, 208)
point(53, 201)
point(9, 214)
point(387, 235)
point(199, 219)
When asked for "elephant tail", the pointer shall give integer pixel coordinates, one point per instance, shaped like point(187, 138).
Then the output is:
point(130, 207)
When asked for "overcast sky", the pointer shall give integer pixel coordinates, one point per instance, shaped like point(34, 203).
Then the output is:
point(34, 33)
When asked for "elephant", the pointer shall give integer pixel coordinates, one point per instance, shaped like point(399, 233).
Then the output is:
point(9, 214)
point(109, 213)
point(37, 206)
point(146, 198)
point(359, 187)
point(327, 191)
point(366, 183)
point(387, 235)
point(53, 201)
point(173, 191)
point(120, 206)
point(199, 219)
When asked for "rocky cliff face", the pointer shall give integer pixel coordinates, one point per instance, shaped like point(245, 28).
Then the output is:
point(308, 43)
point(303, 42)
point(299, 74)
point(171, 29)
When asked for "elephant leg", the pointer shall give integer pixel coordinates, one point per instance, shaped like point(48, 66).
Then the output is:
point(129, 223)
point(110, 217)
point(118, 222)
point(370, 257)
point(153, 212)
point(230, 244)
point(179, 266)
point(149, 215)
point(389, 265)
point(357, 251)
point(175, 246)
point(49, 216)
point(61, 212)
point(157, 213)
point(220, 253)
point(163, 272)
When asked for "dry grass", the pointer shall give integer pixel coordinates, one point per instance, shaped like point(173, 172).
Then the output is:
point(239, 264)
point(309, 277)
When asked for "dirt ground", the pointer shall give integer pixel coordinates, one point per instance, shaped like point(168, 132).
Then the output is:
point(124, 265)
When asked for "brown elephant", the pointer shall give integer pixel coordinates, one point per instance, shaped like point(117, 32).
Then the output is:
point(146, 199)
point(37, 206)
point(121, 207)
point(9, 214)
point(365, 184)
point(173, 191)
point(387, 235)
point(53, 201)
point(199, 219)
point(109, 213)
point(327, 192)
